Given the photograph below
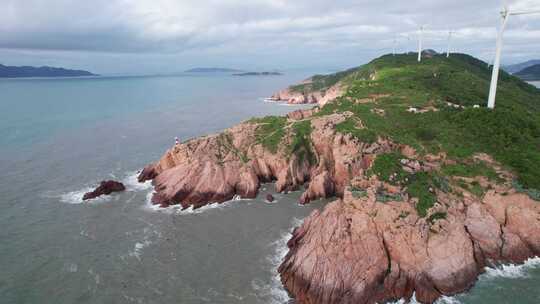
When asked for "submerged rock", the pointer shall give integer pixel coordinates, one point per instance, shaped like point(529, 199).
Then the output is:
point(104, 188)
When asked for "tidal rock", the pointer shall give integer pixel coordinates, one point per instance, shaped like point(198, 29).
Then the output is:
point(105, 188)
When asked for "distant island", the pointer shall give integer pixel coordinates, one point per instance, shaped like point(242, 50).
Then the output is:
point(258, 74)
point(515, 68)
point(212, 70)
point(44, 71)
point(530, 73)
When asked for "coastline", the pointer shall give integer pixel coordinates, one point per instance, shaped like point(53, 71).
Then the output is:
point(334, 165)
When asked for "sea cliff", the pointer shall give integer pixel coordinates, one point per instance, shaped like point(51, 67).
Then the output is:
point(430, 186)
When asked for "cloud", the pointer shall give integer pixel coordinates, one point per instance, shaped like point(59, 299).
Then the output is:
point(266, 26)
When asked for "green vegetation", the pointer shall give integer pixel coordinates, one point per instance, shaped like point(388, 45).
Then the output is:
point(421, 186)
point(388, 168)
point(301, 142)
point(358, 192)
point(323, 82)
point(436, 216)
point(270, 131)
point(510, 133)
point(383, 197)
point(349, 126)
point(532, 193)
point(446, 90)
point(471, 170)
point(225, 144)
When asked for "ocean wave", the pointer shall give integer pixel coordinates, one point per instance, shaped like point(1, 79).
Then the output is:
point(132, 183)
point(508, 271)
point(511, 271)
point(177, 209)
point(76, 197)
point(273, 290)
point(441, 300)
point(138, 248)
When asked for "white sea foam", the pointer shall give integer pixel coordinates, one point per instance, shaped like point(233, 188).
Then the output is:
point(273, 291)
point(76, 197)
point(132, 183)
point(177, 209)
point(138, 248)
point(508, 271)
point(511, 271)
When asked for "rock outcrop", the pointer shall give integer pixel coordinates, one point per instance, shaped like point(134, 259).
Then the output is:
point(358, 250)
point(104, 188)
point(291, 95)
point(218, 167)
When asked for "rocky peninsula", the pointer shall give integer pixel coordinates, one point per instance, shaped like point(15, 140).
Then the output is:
point(425, 198)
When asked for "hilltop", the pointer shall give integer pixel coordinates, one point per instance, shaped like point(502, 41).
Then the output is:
point(431, 185)
point(45, 71)
point(531, 73)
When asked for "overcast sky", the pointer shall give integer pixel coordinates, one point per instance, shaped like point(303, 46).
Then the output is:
point(164, 36)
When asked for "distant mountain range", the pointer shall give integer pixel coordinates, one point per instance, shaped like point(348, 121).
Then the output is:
point(530, 73)
point(45, 71)
point(212, 70)
point(258, 74)
point(514, 68)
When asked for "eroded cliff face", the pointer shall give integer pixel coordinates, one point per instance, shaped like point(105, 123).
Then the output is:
point(321, 97)
point(358, 250)
point(218, 167)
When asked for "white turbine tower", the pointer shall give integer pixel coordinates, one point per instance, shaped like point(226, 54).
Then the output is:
point(420, 37)
point(448, 49)
point(505, 14)
point(394, 46)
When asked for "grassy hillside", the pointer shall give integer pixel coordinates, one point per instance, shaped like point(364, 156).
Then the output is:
point(382, 92)
point(437, 105)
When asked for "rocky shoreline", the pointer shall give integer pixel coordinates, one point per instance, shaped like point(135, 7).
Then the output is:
point(357, 250)
point(294, 95)
point(384, 238)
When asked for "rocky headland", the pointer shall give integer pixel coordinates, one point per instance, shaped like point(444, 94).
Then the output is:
point(425, 199)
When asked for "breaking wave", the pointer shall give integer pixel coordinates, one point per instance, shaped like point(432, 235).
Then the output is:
point(76, 197)
point(273, 290)
point(177, 209)
point(511, 271)
point(132, 183)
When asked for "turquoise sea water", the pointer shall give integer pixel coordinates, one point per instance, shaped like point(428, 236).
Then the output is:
point(59, 137)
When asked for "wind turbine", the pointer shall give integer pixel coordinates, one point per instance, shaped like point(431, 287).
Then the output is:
point(420, 37)
point(394, 47)
point(448, 49)
point(505, 15)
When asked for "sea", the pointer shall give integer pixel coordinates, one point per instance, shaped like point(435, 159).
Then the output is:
point(60, 137)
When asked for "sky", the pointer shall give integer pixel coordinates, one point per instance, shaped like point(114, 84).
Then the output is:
point(168, 36)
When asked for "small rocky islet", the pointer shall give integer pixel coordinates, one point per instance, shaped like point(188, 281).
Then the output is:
point(431, 186)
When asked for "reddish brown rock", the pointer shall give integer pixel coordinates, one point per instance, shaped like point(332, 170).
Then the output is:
point(292, 96)
point(104, 188)
point(362, 251)
point(218, 167)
